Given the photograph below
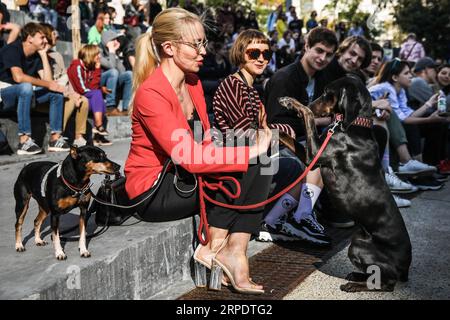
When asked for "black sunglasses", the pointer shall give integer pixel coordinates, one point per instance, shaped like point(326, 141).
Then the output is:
point(255, 53)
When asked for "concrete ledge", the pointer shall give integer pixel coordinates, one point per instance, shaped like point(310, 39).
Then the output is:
point(118, 128)
point(128, 262)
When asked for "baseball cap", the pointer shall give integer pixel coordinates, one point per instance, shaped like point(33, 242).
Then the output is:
point(423, 63)
point(109, 35)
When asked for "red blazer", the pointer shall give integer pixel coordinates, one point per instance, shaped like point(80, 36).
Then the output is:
point(157, 115)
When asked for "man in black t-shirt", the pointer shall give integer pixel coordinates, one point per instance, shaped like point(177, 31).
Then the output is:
point(24, 64)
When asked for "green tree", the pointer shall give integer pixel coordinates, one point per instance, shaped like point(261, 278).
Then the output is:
point(429, 20)
point(352, 13)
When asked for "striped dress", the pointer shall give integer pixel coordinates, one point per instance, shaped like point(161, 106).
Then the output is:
point(236, 106)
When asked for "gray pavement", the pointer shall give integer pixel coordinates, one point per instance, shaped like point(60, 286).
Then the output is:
point(428, 223)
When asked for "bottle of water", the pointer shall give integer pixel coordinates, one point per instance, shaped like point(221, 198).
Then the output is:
point(442, 102)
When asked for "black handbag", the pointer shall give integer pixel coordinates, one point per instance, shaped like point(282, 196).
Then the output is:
point(112, 192)
point(112, 206)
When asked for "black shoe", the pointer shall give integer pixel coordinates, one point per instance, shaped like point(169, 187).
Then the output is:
point(426, 183)
point(270, 234)
point(28, 148)
point(100, 140)
point(440, 177)
point(307, 229)
point(100, 131)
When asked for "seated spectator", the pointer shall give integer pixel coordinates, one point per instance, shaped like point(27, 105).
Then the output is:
point(44, 13)
point(135, 15)
point(24, 64)
point(296, 24)
point(394, 79)
point(341, 31)
point(238, 107)
point(13, 30)
point(287, 40)
point(420, 91)
point(84, 75)
point(412, 50)
point(443, 81)
point(154, 8)
point(114, 74)
point(372, 69)
point(95, 32)
point(251, 22)
point(281, 25)
point(312, 22)
point(6, 27)
point(73, 101)
point(356, 30)
point(239, 19)
point(291, 14)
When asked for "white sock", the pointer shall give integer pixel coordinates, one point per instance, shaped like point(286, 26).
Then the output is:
point(285, 204)
point(308, 197)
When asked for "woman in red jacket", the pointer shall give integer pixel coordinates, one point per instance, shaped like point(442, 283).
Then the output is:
point(84, 75)
point(168, 100)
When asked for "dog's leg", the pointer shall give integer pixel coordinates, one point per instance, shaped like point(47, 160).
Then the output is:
point(59, 252)
point(360, 286)
point(37, 227)
point(357, 277)
point(312, 138)
point(22, 204)
point(84, 253)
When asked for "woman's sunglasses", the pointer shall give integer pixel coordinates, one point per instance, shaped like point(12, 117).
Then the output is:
point(254, 54)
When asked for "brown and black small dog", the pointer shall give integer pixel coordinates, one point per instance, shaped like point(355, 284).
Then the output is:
point(352, 173)
point(59, 191)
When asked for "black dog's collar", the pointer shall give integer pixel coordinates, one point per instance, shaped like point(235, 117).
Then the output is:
point(359, 121)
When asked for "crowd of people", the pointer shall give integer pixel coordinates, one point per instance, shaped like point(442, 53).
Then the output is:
point(229, 75)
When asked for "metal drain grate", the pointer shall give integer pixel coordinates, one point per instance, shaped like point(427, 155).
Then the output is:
point(280, 268)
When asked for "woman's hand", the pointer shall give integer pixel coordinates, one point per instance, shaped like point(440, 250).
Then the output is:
point(262, 117)
point(263, 140)
point(432, 101)
point(435, 117)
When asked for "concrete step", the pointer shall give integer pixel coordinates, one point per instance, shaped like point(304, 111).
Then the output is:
point(135, 261)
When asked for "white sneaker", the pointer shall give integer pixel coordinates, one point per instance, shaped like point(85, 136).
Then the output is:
point(401, 203)
point(415, 167)
point(79, 142)
point(396, 185)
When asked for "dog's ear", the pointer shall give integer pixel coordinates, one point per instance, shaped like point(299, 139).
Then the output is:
point(347, 106)
point(74, 151)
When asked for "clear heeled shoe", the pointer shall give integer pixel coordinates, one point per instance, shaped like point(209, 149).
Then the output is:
point(201, 264)
point(217, 270)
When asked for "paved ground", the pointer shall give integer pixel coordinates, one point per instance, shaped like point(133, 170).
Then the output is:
point(428, 223)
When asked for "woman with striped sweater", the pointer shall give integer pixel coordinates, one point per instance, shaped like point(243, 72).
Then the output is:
point(237, 109)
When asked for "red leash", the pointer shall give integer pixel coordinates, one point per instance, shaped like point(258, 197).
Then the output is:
point(204, 238)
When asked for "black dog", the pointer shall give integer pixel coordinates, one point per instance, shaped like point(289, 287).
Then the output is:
point(59, 190)
point(352, 173)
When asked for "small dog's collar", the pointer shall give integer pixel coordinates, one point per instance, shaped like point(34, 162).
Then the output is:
point(77, 191)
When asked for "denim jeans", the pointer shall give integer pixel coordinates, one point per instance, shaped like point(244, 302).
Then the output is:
point(56, 101)
point(113, 80)
point(19, 95)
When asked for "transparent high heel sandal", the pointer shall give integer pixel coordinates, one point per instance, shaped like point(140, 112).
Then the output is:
point(217, 270)
point(200, 266)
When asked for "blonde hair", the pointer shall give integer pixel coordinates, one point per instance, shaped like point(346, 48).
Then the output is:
point(169, 25)
point(246, 37)
point(87, 54)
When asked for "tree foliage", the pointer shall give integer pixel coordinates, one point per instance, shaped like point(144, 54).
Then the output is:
point(429, 20)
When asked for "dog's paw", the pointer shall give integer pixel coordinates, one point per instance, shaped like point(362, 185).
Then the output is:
point(40, 243)
point(61, 256)
point(357, 277)
point(85, 254)
point(352, 287)
point(20, 247)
